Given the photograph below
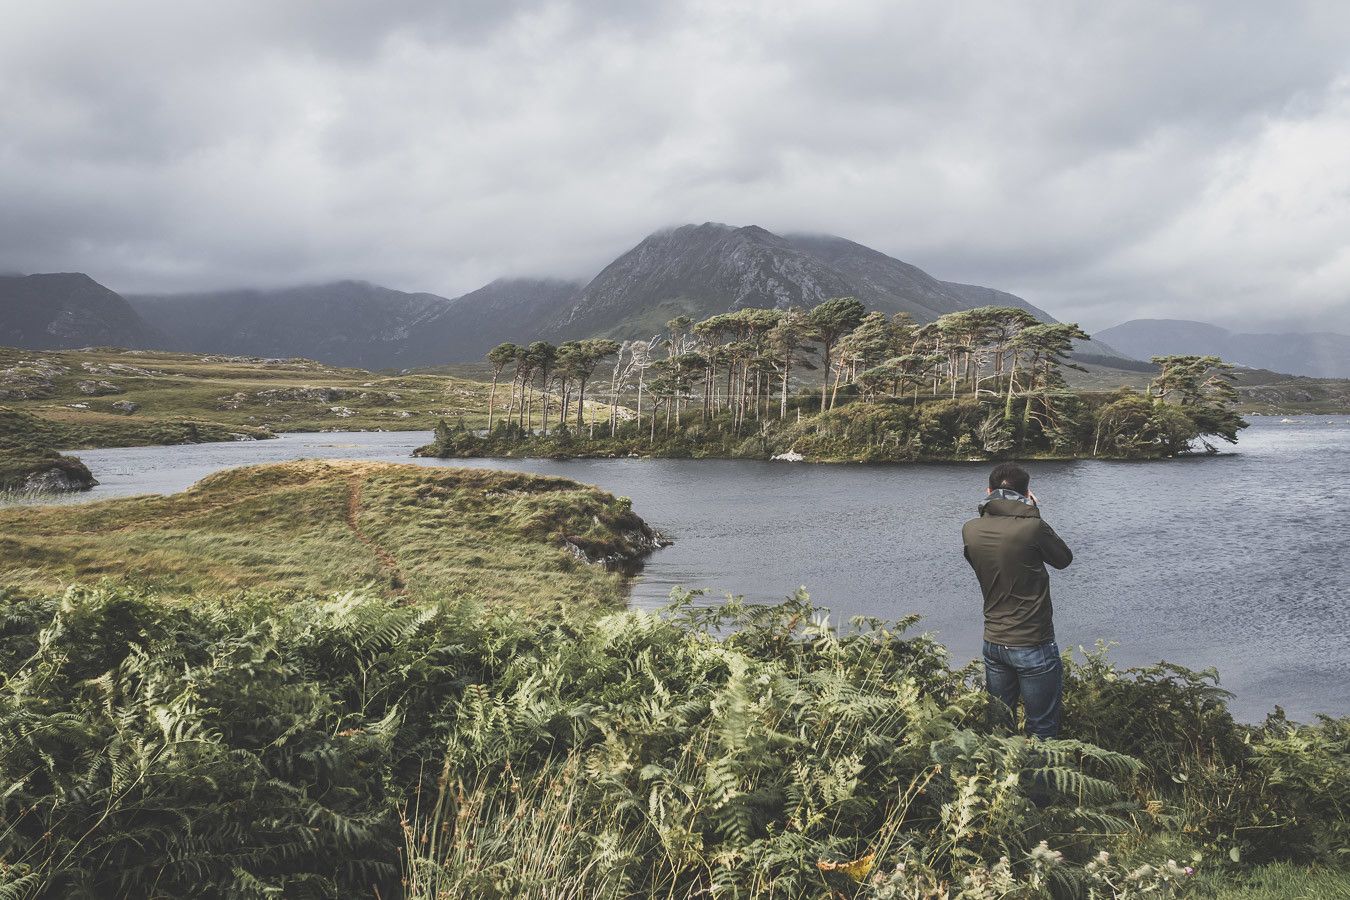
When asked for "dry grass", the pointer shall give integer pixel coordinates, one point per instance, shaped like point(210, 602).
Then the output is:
point(231, 391)
point(315, 527)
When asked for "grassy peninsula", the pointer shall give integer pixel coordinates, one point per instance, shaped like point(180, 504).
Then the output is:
point(28, 462)
point(77, 399)
point(312, 527)
point(980, 384)
point(1259, 391)
point(109, 397)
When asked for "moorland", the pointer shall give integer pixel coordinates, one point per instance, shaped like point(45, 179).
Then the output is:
point(66, 400)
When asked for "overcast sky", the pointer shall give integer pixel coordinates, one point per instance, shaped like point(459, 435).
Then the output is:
point(1106, 160)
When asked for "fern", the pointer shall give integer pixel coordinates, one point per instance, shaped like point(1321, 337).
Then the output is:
point(334, 747)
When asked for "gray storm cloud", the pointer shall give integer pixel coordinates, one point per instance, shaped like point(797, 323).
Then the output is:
point(1107, 161)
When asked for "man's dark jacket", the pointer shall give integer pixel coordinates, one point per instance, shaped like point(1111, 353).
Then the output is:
point(1008, 547)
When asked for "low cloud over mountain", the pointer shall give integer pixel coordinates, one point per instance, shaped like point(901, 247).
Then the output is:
point(697, 270)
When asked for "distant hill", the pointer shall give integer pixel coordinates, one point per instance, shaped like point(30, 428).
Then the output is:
point(508, 309)
point(1321, 355)
point(348, 323)
point(61, 311)
point(355, 323)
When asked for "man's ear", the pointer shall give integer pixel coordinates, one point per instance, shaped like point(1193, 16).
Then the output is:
point(988, 490)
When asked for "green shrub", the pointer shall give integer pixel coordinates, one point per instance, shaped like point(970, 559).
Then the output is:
point(350, 745)
point(1255, 794)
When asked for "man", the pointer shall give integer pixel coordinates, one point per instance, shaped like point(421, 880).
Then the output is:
point(1008, 546)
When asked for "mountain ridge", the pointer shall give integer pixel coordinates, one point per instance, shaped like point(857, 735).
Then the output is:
point(695, 270)
point(1317, 355)
point(65, 310)
point(350, 322)
point(710, 268)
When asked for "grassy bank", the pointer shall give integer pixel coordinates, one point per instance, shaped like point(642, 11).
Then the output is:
point(107, 397)
point(1114, 425)
point(348, 746)
point(1259, 391)
point(312, 527)
point(30, 464)
point(80, 399)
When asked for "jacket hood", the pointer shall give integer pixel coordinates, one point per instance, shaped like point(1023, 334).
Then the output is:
point(1008, 503)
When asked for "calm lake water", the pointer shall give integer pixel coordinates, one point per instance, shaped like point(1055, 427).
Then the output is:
point(1237, 561)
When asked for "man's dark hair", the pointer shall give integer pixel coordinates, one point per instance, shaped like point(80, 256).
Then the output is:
point(1010, 476)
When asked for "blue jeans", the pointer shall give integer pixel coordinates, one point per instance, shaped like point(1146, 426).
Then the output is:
point(1036, 675)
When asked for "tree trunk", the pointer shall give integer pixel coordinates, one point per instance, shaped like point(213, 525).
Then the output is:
point(641, 373)
point(759, 376)
point(1026, 410)
point(825, 382)
point(710, 395)
point(834, 394)
point(1012, 380)
point(492, 398)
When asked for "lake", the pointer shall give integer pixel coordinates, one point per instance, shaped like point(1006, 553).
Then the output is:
point(1237, 561)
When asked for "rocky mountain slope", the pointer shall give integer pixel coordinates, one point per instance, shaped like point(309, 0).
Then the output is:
point(704, 269)
point(699, 270)
point(1322, 355)
point(66, 310)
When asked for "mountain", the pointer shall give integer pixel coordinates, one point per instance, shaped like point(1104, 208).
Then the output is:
point(355, 323)
point(700, 270)
point(508, 309)
point(696, 270)
point(1321, 355)
point(349, 323)
point(1091, 351)
point(64, 310)
point(973, 295)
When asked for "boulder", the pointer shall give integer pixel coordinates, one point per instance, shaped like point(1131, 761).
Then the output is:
point(302, 394)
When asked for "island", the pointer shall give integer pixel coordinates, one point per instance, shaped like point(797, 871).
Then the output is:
point(985, 383)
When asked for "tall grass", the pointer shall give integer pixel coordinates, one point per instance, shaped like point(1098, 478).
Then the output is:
point(354, 746)
point(312, 527)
